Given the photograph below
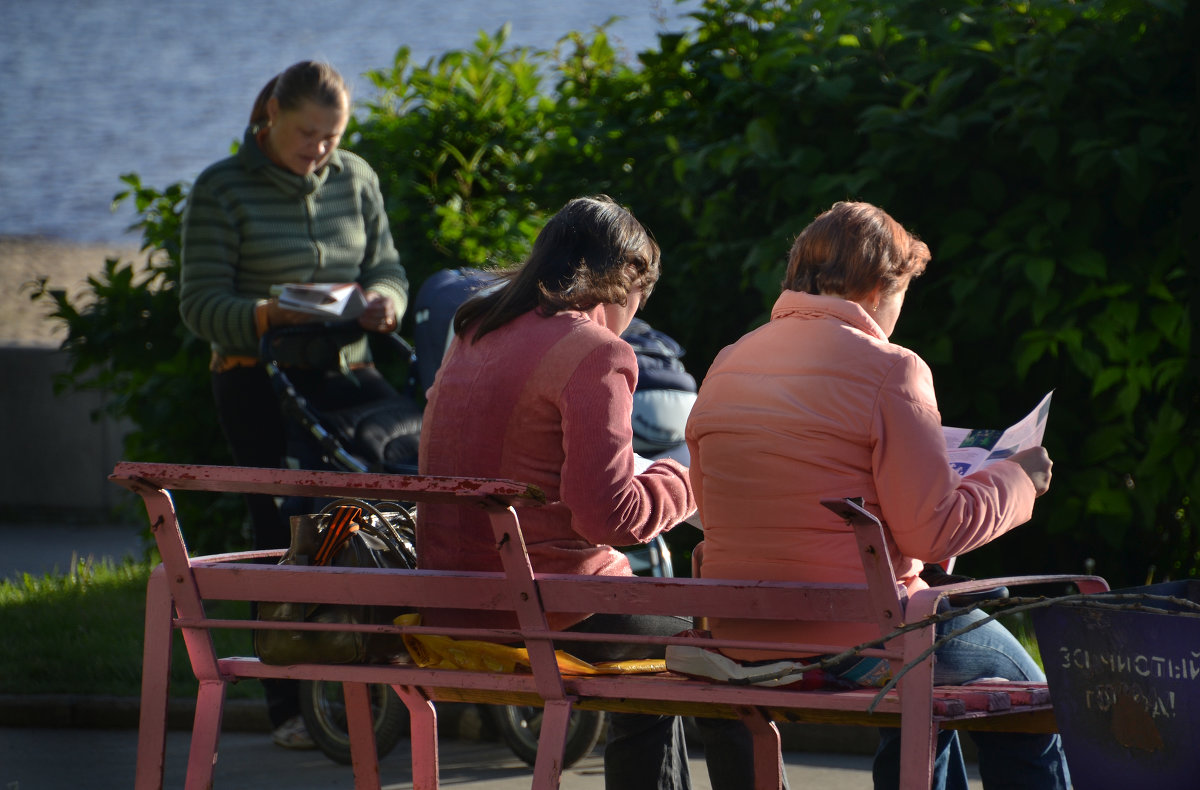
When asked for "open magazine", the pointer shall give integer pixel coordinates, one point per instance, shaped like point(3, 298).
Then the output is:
point(973, 449)
point(327, 300)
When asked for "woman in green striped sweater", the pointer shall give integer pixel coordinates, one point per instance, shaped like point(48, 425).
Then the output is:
point(288, 207)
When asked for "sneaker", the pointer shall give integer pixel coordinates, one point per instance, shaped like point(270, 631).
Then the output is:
point(292, 734)
point(705, 663)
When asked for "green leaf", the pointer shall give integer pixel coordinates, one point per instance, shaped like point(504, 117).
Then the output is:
point(1108, 502)
point(1107, 378)
point(760, 136)
point(1040, 272)
point(1169, 319)
point(953, 244)
point(987, 188)
point(1128, 397)
point(1029, 354)
point(1127, 159)
point(1088, 263)
point(1044, 141)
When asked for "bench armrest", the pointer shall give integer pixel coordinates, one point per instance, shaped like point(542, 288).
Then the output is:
point(924, 603)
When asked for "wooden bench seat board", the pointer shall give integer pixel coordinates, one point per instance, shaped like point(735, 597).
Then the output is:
point(180, 587)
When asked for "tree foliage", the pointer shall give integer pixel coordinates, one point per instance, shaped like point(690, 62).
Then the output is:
point(125, 339)
point(1045, 151)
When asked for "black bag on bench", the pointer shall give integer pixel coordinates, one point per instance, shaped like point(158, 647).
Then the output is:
point(346, 533)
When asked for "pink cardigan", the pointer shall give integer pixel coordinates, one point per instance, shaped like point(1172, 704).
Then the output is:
point(817, 403)
point(544, 400)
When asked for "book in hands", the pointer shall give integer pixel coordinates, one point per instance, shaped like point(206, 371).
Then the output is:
point(326, 300)
point(972, 449)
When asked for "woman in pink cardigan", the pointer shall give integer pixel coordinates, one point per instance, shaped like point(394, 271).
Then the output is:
point(818, 403)
point(538, 387)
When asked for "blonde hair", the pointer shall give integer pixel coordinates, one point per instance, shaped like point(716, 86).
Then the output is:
point(308, 80)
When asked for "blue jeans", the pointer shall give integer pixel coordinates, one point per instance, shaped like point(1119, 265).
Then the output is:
point(1006, 760)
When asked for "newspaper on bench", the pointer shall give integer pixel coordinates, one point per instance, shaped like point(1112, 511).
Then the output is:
point(973, 449)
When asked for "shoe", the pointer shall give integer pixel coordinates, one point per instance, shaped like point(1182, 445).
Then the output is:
point(292, 734)
point(702, 662)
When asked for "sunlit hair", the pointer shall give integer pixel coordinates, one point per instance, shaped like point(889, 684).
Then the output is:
point(593, 251)
point(308, 80)
point(852, 248)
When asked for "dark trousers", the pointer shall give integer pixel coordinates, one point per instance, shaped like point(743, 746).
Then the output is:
point(647, 752)
point(643, 752)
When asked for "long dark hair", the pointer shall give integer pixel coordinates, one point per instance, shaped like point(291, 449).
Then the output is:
point(593, 251)
point(308, 80)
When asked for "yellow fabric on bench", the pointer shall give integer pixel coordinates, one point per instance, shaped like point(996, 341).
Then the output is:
point(442, 652)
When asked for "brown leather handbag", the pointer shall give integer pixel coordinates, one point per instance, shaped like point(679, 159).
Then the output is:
point(346, 533)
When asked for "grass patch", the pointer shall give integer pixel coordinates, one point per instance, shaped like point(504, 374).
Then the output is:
point(81, 633)
point(1021, 626)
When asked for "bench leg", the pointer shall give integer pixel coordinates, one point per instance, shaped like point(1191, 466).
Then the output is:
point(156, 672)
point(768, 756)
point(206, 731)
point(361, 726)
point(916, 753)
point(422, 729)
point(547, 771)
point(918, 731)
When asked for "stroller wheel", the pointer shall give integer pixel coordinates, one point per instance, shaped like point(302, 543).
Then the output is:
point(324, 710)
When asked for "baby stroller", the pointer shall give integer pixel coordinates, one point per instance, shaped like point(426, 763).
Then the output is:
point(382, 435)
point(373, 435)
point(376, 435)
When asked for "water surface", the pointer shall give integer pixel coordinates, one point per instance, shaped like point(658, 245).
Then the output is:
point(96, 88)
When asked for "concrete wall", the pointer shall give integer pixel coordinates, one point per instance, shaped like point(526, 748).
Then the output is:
point(56, 457)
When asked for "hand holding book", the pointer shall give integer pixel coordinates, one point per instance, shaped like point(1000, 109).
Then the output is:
point(324, 300)
point(970, 450)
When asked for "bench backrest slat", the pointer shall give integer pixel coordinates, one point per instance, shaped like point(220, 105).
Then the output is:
point(367, 586)
point(706, 598)
point(300, 482)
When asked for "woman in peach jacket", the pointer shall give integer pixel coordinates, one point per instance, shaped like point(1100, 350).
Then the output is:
point(818, 403)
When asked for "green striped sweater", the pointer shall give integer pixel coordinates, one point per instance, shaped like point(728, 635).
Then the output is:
point(250, 224)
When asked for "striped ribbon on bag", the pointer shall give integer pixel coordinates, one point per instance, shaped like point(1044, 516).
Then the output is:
point(341, 524)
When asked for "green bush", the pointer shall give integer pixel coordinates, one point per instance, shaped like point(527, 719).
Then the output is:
point(1046, 152)
point(125, 339)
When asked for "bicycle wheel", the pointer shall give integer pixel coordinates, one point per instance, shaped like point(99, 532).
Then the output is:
point(520, 725)
point(324, 710)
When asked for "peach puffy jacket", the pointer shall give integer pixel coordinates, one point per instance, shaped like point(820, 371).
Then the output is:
point(817, 403)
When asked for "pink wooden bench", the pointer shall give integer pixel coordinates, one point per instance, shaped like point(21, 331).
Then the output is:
point(179, 588)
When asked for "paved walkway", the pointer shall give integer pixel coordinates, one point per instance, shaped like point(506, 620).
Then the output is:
point(38, 549)
point(51, 759)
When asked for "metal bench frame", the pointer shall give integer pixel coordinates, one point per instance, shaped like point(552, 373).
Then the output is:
point(180, 586)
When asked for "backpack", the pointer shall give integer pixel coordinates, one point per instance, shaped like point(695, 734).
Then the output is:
point(433, 316)
point(665, 390)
